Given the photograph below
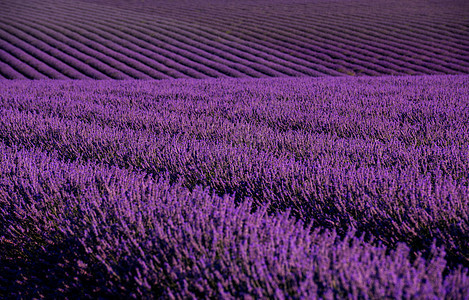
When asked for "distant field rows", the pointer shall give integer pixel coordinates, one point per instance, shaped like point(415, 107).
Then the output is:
point(204, 39)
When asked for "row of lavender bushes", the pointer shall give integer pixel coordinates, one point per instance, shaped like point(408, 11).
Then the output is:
point(87, 230)
point(61, 39)
point(281, 188)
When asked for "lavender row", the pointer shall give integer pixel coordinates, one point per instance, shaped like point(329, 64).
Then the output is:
point(296, 37)
point(55, 48)
point(281, 37)
point(43, 52)
point(49, 36)
point(446, 55)
point(323, 23)
point(86, 54)
point(385, 29)
point(146, 32)
point(171, 55)
point(7, 71)
point(270, 64)
point(131, 17)
point(202, 69)
point(429, 31)
point(394, 17)
point(165, 39)
point(87, 230)
point(385, 156)
point(28, 54)
point(269, 56)
point(277, 41)
point(191, 71)
point(105, 63)
point(289, 44)
point(117, 60)
point(128, 54)
point(151, 39)
point(146, 40)
point(19, 65)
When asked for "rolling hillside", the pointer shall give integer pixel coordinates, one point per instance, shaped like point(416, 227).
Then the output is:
point(203, 38)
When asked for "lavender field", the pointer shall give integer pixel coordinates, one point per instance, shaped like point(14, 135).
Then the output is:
point(246, 149)
point(145, 39)
point(334, 187)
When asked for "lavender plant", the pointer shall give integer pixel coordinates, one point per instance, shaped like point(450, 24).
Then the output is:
point(284, 188)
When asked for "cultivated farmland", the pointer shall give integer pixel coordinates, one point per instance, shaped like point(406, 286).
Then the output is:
point(234, 149)
point(207, 38)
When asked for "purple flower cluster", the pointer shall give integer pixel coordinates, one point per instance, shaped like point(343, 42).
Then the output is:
point(269, 188)
point(108, 231)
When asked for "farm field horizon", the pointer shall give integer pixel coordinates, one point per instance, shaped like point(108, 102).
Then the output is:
point(246, 149)
point(153, 39)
